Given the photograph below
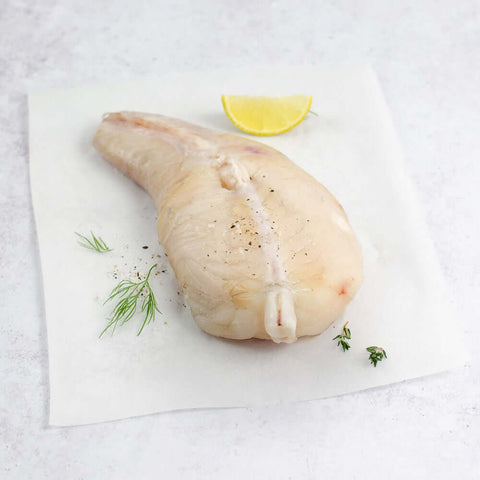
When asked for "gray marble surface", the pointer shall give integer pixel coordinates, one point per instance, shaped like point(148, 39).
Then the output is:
point(427, 56)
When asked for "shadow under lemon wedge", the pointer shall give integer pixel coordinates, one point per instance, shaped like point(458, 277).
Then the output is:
point(266, 115)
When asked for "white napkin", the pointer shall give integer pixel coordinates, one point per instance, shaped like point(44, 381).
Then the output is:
point(351, 147)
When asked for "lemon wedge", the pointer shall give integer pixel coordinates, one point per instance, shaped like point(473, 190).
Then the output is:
point(266, 115)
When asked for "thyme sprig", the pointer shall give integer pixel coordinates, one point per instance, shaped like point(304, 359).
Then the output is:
point(128, 294)
point(343, 337)
point(95, 243)
point(377, 354)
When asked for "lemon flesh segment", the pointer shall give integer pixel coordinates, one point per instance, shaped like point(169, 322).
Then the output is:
point(266, 115)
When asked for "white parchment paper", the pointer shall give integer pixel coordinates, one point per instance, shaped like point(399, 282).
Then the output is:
point(351, 147)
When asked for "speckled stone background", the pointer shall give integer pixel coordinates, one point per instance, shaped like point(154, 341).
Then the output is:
point(427, 56)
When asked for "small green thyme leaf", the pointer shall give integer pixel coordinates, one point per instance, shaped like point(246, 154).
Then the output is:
point(342, 337)
point(377, 354)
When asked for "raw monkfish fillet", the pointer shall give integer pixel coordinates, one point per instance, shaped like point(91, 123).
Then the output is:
point(259, 247)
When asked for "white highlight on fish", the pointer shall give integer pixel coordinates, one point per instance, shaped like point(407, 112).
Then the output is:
point(259, 247)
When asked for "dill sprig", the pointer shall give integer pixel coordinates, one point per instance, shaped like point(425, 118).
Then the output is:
point(129, 293)
point(343, 337)
point(377, 354)
point(95, 243)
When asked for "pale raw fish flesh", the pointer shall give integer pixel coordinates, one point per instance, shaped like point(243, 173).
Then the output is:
point(259, 247)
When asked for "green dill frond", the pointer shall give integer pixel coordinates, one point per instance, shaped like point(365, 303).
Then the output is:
point(95, 243)
point(128, 294)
